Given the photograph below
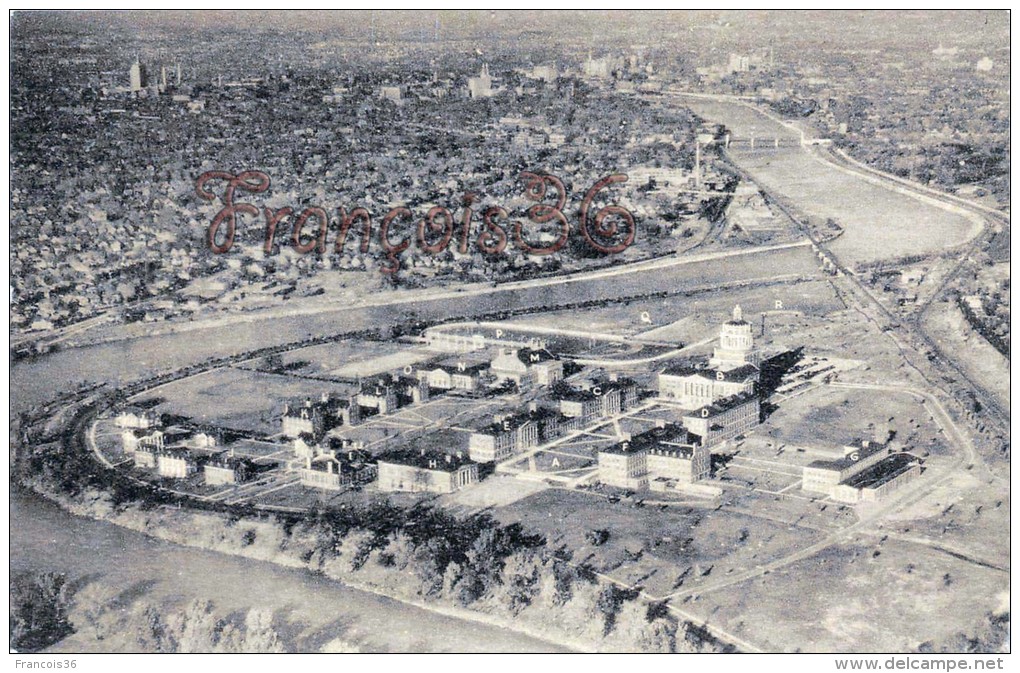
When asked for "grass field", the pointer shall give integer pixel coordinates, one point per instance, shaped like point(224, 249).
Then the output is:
point(238, 399)
point(830, 417)
point(651, 544)
point(870, 596)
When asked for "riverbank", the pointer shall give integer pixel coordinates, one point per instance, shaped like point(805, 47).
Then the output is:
point(312, 610)
point(537, 596)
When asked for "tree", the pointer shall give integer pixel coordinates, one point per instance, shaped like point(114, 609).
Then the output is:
point(38, 607)
point(259, 635)
point(520, 580)
point(90, 606)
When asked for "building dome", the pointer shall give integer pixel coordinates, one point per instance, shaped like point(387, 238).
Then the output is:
point(736, 344)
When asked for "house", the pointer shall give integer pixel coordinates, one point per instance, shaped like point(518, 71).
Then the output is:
point(226, 468)
point(425, 471)
point(725, 418)
point(506, 435)
point(175, 463)
point(526, 367)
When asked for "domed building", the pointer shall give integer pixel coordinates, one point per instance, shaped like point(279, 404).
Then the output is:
point(736, 344)
point(732, 370)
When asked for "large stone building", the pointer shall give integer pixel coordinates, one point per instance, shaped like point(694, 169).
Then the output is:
point(725, 419)
point(227, 468)
point(175, 463)
point(459, 376)
point(425, 471)
point(732, 370)
point(481, 86)
point(598, 400)
point(333, 471)
point(141, 420)
point(867, 471)
point(315, 419)
point(387, 393)
point(506, 435)
point(661, 458)
point(694, 387)
point(527, 366)
point(736, 344)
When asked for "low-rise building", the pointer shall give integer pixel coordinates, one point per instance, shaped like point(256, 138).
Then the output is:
point(506, 435)
point(660, 459)
point(424, 471)
point(725, 418)
point(460, 376)
point(826, 476)
point(175, 463)
point(527, 366)
point(141, 420)
point(227, 468)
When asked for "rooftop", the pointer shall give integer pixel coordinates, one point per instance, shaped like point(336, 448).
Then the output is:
point(883, 472)
point(741, 373)
point(426, 460)
point(673, 436)
point(455, 368)
point(725, 404)
point(849, 459)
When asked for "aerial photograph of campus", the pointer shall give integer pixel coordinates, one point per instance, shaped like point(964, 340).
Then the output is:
point(509, 332)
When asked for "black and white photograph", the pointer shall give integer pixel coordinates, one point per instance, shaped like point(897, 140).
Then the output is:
point(507, 331)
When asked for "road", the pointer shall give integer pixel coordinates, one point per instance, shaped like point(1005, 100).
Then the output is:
point(652, 275)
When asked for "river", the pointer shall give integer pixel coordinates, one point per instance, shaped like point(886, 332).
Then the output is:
point(315, 610)
point(879, 222)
